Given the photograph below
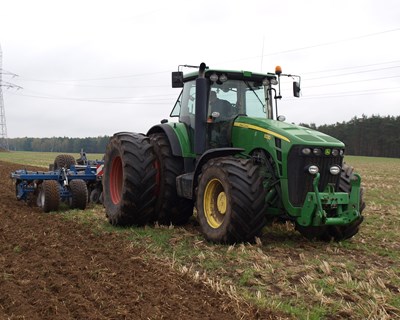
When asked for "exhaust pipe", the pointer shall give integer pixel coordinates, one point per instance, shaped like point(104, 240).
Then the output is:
point(200, 130)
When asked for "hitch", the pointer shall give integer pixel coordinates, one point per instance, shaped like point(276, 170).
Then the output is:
point(343, 208)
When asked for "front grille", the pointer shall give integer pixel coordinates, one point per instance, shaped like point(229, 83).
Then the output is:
point(300, 181)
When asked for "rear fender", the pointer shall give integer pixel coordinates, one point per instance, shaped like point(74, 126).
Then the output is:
point(171, 135)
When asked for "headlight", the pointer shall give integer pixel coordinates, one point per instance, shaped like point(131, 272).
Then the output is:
point(223, 78)
point(335, 170)
point(306, 151)
point(266, 82)
point(214, 77)
point(313, 169)
point(317, 151)
point(335, 152)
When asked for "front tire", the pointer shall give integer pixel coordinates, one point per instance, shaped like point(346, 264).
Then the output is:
point(129, 180)
point(339, 233)
point(230, 200)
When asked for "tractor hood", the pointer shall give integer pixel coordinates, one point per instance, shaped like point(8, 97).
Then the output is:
point(291, 133)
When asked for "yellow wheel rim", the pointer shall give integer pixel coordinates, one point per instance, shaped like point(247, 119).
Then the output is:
point(215, 203)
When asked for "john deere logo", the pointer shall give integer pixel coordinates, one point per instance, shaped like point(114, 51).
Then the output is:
point(267, 136)
point(327, 152)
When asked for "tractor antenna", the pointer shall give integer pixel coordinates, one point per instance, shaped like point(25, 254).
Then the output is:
point(262, 53)
point(181, 66)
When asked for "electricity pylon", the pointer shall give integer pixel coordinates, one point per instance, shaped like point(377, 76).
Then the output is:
point(3, 125)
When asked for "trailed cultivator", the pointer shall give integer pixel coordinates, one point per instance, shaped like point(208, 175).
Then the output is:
point(69, 182)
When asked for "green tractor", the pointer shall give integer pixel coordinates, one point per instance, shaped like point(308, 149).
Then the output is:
point(234, 159)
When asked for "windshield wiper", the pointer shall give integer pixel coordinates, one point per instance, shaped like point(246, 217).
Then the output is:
point(247, 84)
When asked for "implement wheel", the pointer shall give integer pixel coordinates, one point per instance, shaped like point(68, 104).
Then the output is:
point(169, 207)
point(337, 233)
point(64, 161)
point(95, 196)
point(230, 200)
point(129, 180)
point(49, 196)
point(79, 194)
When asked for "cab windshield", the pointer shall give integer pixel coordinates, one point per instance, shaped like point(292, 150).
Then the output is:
point(235, 97)
point(245, 97)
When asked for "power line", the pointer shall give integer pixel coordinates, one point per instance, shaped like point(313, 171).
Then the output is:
point(356, 93)
point(9, 85)
point(337, 41)
point(349, 94)
point(5, 72)
point(64, 82)
point(99, 86)
point(332, 96)
point(141, 97)
point(352, 73)
point(324, 44)
point(160, 101)
point(354, 81)
point(353, 67)
point(98, 78)
point(87, 100)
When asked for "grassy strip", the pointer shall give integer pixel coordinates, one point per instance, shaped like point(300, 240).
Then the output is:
point(39, 159)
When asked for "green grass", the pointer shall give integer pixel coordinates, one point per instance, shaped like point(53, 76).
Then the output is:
point(354, 279)
point(39, 159)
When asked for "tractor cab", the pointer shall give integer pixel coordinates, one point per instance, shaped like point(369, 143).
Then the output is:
point(228, 94)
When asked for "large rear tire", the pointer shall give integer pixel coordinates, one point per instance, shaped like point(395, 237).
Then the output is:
point(129, 180)
point(79, 194)
point(63, 161)
point(49, 196)
point(230, 200)
point(337, 233)
point(170, 208)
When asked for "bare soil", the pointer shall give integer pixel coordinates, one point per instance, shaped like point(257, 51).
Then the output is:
point(53, 268)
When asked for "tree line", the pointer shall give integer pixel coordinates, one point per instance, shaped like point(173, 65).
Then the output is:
point(59, 144)
point(373, 136)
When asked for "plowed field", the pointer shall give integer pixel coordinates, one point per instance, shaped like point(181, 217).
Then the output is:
point(52, 268)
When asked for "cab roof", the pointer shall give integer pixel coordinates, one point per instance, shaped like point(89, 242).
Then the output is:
point(231, 75)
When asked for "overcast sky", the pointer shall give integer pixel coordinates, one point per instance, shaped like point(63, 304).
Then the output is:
point(93, 68)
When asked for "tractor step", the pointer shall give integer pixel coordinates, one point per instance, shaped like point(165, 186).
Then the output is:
point(184, 185)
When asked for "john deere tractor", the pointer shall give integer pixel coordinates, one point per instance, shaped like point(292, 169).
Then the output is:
point(231, 156)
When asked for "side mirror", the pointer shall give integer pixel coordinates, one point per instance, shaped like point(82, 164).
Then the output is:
point(177, 79)
point(296, 89)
